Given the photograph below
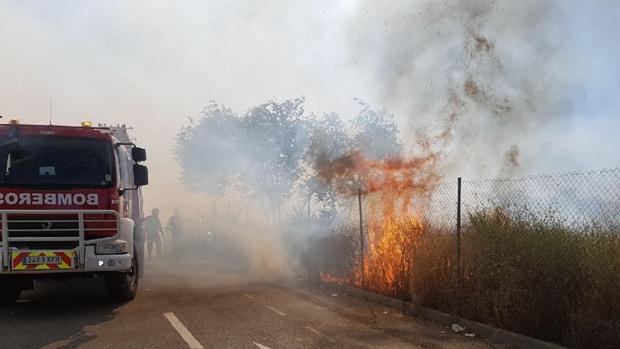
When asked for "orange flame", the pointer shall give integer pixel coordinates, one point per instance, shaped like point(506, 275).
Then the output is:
point(327, 277)
point(397, 192)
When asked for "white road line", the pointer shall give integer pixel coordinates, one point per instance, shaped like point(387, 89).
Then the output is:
point(261, 346)
point(247, 295)
point(320, 334)
point(275, 310)
point(183, 331)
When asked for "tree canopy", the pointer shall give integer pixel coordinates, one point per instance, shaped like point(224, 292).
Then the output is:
point(269, 152)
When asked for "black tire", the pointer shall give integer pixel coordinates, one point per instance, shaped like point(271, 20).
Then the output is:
point(122, 287)
point(10, 290)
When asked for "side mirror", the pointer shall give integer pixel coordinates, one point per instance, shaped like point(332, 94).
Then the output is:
point(140, 175)
point(138, 154)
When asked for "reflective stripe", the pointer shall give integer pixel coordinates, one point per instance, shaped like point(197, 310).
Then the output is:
point(67, 259)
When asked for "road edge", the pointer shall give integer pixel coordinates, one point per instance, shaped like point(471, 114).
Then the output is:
point(415, 310)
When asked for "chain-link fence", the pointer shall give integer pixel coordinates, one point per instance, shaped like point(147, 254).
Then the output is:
point(576, 200)
point(533, 254)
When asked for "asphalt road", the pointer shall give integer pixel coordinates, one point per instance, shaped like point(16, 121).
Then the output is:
point(211, 306)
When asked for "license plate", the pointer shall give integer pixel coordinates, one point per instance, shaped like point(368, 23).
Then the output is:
point(42, 260)
point(30, 260)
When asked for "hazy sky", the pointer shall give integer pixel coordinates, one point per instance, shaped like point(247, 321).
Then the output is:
point(151, 64)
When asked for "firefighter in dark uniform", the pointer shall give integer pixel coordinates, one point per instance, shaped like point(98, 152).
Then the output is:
point(154, 233)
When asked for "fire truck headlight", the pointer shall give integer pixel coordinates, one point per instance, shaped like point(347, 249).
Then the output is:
point(112, 247)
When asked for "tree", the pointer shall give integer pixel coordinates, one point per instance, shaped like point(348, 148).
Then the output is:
point(327, 139)
point(208, 150)
point(376, 134)
point(275, 137)
point(274, 148)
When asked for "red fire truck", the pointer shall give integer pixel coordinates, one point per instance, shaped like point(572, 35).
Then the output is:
point(70, 206)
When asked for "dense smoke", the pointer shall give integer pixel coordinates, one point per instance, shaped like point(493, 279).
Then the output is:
point(473, 80)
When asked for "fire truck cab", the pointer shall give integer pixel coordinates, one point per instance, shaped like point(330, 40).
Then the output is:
point(70, 206)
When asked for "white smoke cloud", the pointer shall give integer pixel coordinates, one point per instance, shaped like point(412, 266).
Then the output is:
point(150, 64)
point(483, 78)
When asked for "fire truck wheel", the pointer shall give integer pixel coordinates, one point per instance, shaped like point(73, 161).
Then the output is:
point(9, 291)
point(122, 287)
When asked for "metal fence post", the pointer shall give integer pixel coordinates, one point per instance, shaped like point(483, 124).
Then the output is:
point(359, 201)
point(459, 271)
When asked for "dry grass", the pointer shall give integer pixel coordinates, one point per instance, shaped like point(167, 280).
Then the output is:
point(336, 255)
point(533, 276)
point(522, 273)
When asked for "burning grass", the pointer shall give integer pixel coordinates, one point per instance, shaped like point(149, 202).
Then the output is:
point(335, 258)
point(389, 185)
point(520, 271)
point(526, 274)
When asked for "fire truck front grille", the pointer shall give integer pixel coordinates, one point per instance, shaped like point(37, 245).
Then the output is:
point(23, 227)
point(59, 226)
point(55, 230)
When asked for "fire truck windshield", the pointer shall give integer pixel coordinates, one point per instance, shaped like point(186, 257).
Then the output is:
point(55, 162)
